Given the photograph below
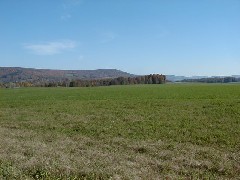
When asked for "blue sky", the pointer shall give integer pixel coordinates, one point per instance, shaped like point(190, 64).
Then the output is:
point(181, 37)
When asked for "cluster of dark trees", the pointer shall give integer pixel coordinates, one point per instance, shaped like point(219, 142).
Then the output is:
point(147, 79)
point(214, 80)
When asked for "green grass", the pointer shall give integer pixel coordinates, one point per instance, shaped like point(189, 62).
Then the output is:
point(126, 132)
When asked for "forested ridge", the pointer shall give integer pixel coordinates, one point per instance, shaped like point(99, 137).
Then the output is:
point(11, 77)
point(18, 74)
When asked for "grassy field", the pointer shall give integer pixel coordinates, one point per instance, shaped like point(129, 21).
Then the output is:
point(168, 131)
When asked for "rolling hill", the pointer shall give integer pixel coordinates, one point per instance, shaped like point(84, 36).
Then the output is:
point(18, 74)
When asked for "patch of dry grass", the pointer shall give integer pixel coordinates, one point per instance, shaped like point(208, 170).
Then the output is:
point(27, 154)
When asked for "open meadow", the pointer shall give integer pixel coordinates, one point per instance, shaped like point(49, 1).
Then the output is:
point(121, 132)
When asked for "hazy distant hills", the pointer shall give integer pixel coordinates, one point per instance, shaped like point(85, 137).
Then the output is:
point(174, 78)
point(18, 74)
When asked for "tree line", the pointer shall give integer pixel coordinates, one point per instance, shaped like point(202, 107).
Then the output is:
point(214, 80)
point(147, 79)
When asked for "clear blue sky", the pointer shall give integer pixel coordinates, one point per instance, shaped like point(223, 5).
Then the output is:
point(181, 37)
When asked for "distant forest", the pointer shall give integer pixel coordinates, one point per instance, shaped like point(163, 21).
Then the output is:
point(147, 79)
point(214, 80)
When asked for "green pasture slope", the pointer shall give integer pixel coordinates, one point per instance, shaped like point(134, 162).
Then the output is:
point(121, 132)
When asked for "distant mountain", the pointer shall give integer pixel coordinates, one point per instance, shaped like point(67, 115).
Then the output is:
point(18, 74)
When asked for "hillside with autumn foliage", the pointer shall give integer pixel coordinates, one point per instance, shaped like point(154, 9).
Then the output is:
point(18, 74)
point(28, 77)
